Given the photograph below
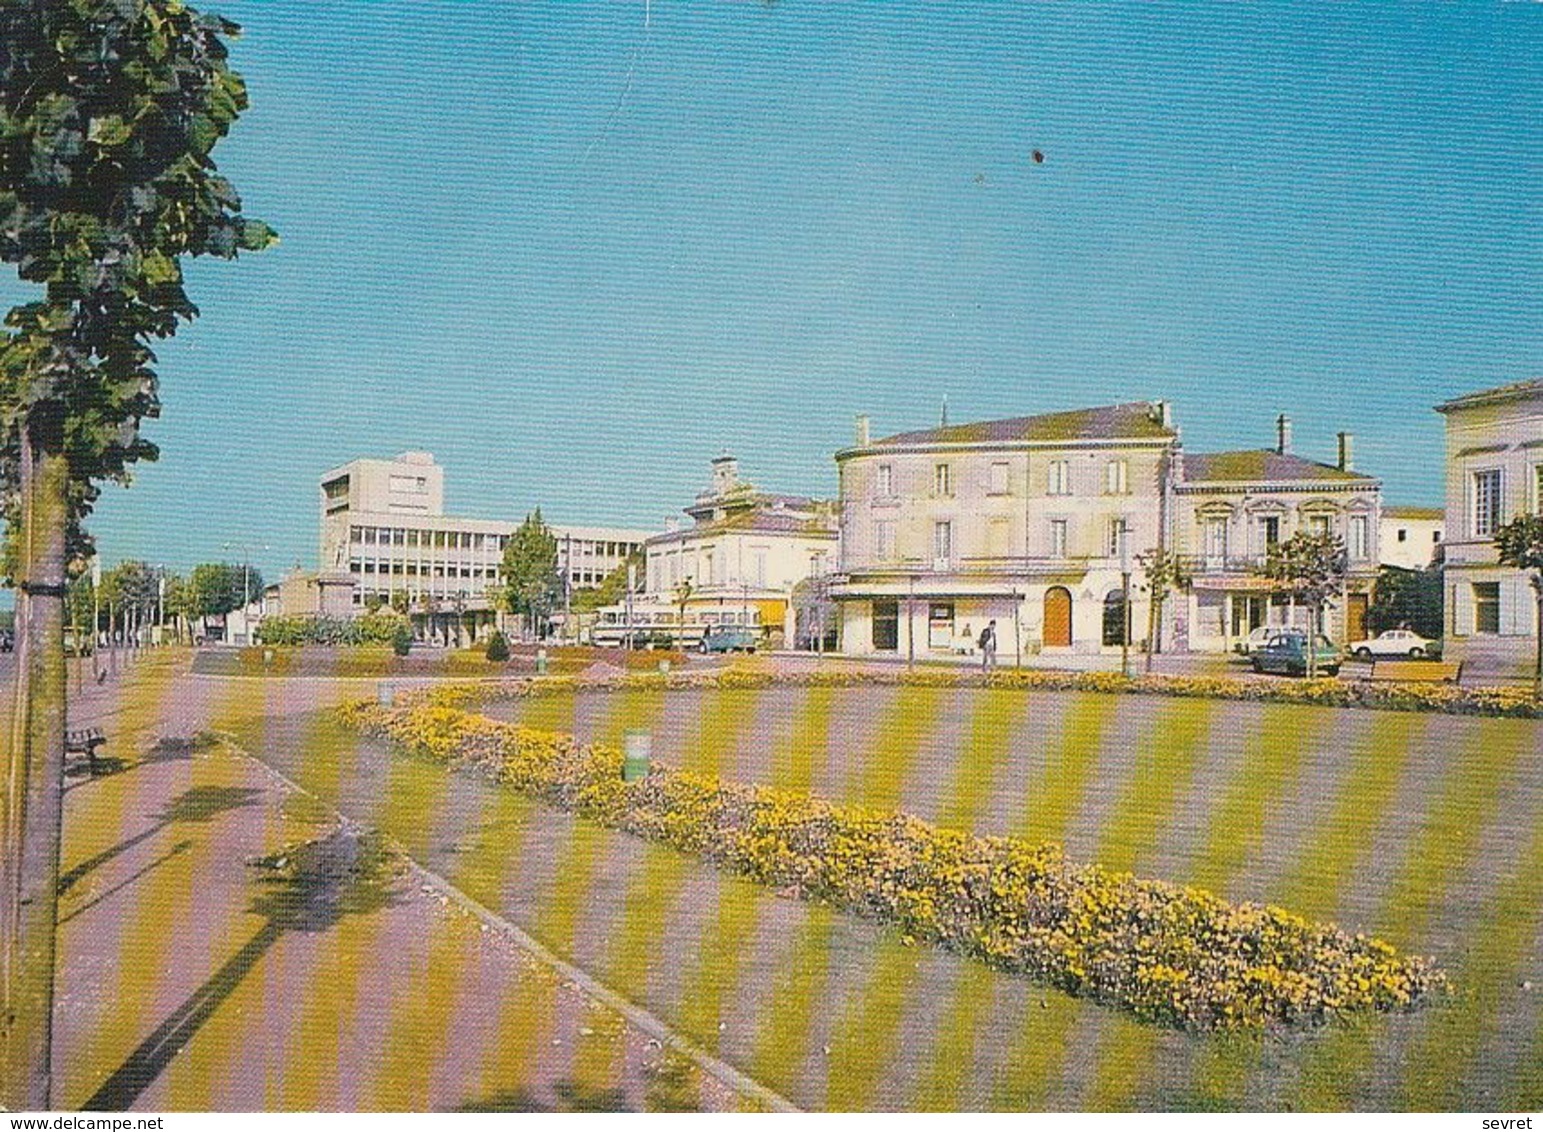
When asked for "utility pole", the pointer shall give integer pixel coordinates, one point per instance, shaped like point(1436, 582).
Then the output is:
point(1124, 598)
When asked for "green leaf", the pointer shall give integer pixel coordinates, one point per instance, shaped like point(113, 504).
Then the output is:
point(108, 131)
point(256, 236)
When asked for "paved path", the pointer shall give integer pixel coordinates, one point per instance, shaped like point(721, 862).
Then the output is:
point(189, 979)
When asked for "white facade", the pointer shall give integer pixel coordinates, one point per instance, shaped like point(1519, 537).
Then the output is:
point(1410, 537)
point(383, 522)
point(1027, 522)
point(1494, 472)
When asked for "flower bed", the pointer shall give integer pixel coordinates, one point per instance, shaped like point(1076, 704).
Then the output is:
point(1448, 698)
point(1176, 956)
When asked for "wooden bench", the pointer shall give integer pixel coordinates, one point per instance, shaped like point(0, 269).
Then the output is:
point(1416, 671)
point(85, 743)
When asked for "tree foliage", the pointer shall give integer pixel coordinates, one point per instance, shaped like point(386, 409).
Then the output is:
point(612, 589)
point(1407, 597)
point(109, 110)
point(1519, 544)
point(1310, 567)
point(216, 588)
point(532, 582)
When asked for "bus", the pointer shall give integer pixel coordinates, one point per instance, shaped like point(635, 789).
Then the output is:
point(656, 625)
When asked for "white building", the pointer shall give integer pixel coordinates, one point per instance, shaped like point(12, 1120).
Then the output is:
point(1410, 537)
point(1026, 521)
point(383, 523)
point(743, 554)
point(1494, 472)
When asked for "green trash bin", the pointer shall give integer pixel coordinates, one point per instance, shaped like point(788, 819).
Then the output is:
point(541, 662)
point(637, 747)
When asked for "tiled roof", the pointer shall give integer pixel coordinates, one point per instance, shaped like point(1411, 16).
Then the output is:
point(765, 522)
point(1255, 465)
point(1414, 512)
point(1514, 391)
point(1136, 420)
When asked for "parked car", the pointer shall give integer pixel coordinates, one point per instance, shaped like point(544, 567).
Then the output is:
point(1286, 653)
point(1395, 642)
point(7, 640)
point(1256, 639)
point(729, 638)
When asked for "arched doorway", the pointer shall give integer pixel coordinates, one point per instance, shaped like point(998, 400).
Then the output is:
point(1058, 617)
point(1114, 618)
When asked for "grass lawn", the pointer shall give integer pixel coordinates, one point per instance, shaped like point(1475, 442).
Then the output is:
point(1424, 829)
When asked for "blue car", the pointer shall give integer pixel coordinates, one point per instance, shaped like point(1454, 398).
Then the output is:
point(1286, 654)
point(729, 638)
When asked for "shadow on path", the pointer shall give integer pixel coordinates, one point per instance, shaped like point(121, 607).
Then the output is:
point(305, 888)
point(196, 805)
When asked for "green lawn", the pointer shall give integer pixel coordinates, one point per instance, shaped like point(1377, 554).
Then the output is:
point(1424, 829)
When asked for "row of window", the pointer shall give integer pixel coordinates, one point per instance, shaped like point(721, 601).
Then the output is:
point(998, 538)
point(1058, 479)
point(413, 536)
point(1487, 499)
point(665, 571)
point(1267, 534)
point(426, 570)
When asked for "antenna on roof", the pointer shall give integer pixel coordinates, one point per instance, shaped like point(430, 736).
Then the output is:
point(943, 419)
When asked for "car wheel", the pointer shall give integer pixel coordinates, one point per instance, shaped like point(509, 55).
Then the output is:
point(1363, 653)
point(1333, 671)
point(1416, 653)
point(1258, 667)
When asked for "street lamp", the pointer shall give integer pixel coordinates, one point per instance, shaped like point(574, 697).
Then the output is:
point(1124, 598)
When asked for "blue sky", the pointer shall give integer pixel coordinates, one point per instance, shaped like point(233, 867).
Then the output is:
point(577, 249)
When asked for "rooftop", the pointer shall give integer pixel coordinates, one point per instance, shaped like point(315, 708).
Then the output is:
point(1515, 391)
point(1414, 512)
point(1137, 420)
point(1254, 465)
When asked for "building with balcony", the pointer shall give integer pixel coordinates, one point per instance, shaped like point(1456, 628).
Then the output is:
point(1231, 508)
point(382, 523)
point(742, 556)
point(1028, 521)
point(1494, 472)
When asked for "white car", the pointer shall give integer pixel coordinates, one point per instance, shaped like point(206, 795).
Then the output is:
point(1260, 637)
point(1392, 642)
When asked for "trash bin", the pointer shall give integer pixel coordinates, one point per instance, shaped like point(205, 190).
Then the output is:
point(637, 747)
point(385, 694)
point(664, 666)
point(541, 662)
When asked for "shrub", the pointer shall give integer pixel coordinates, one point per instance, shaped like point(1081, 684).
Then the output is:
point(1171, 955)
point(313, 629)
point(402, 639)
point(498, 648)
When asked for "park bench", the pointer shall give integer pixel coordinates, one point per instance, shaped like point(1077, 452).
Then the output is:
point(84, 742)
point(1420, 671)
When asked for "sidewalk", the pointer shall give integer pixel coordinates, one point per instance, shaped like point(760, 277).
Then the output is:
point(228, 944)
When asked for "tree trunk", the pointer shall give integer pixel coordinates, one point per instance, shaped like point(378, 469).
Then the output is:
point(1154, 618)
point(34, 779)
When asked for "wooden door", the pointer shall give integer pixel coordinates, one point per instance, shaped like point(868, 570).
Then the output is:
point(1058, 617)
point(1355, 618)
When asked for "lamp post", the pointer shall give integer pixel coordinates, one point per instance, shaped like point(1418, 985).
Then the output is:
point(246, 579)
point(1124, 598)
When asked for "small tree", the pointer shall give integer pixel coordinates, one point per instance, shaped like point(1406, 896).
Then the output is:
point(1310, 567)
point(498, 648)
point(400, 601)
point(1407, 597)
point(1520, 546)
point(1165, 572)
point(532, 581)
point(402, 639)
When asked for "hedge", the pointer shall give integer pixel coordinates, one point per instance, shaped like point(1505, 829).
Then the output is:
point(1446, 698)
point(1170, 955)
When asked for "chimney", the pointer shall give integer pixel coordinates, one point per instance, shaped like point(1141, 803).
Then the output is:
point(1347, 451)
point(862, 430)
point(943, 416)
point(725, 473)
point(1283, 434)
point(1162, 414)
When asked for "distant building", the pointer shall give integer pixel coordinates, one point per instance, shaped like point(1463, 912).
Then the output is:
point(743, 554)
point(1494, 472)
point(310, 593)
point(1410, 537)
point(382, 523)
point(1025, 521)
point(1232, 508)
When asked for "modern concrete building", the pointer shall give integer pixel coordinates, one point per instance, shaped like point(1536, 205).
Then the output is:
point(1494, 472)
point(1027, 521)
point(1231, 508)
point(383, 524)
point(743, 554)
point(1410, 537)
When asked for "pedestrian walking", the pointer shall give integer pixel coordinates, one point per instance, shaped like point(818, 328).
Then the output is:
point(988, 647)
